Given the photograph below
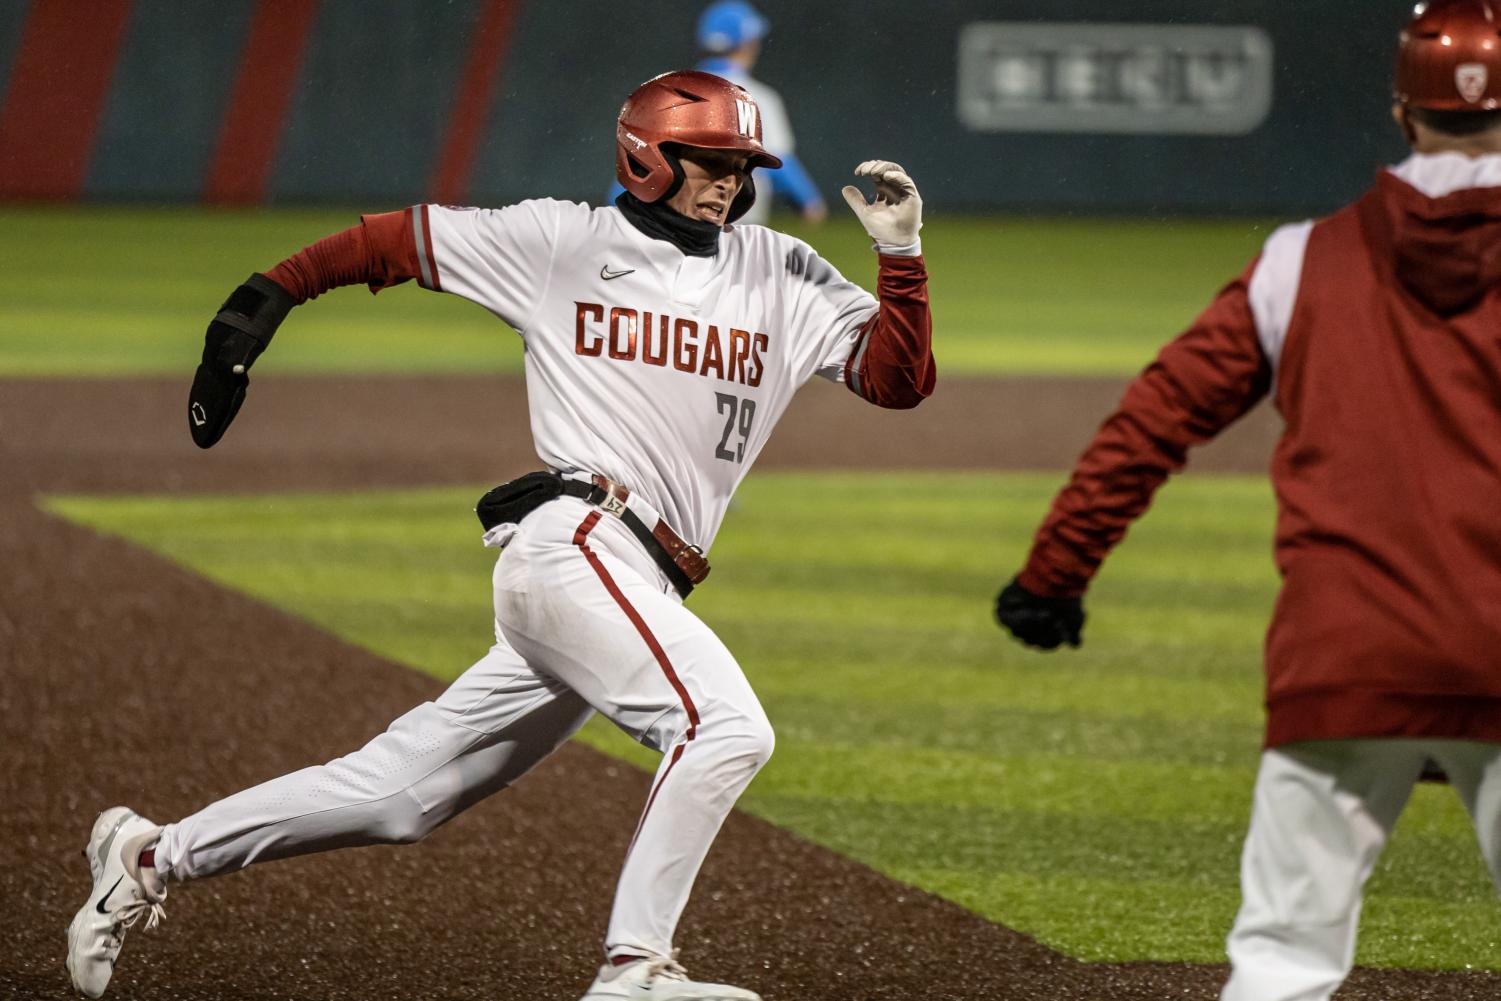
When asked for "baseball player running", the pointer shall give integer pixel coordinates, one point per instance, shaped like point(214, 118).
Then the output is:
point(1375, 331)
point(663, 342)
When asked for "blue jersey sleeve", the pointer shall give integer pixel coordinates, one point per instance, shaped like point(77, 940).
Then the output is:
point(793, 183)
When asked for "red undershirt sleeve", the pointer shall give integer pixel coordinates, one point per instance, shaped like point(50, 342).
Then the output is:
point(380, 252)
point(1199, 384)
point(892, 365)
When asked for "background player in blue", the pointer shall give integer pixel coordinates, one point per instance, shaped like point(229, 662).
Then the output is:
point(729, 36)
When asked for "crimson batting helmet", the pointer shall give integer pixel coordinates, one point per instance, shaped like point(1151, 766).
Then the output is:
point(1449, 56)
point(685, 108)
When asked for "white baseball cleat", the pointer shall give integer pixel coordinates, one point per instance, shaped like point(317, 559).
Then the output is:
point(658, 978)
point(122, 892)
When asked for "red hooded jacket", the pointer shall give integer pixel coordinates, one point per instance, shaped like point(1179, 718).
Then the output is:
point(1378, 333)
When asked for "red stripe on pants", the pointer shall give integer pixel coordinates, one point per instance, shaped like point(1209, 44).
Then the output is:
point(56, 96)
point(472, 101)
point(677, 752)
point(259, 101)
point(580, 538)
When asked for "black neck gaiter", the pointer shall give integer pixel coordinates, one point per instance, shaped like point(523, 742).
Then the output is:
point(693, 237)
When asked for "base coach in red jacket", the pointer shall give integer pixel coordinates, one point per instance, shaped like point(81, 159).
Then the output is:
point(1377, 334)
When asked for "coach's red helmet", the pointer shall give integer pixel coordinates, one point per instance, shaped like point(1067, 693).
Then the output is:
point(1449, 56)
point(685, 108)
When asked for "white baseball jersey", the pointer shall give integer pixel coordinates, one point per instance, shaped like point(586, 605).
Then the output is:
point(662, 371)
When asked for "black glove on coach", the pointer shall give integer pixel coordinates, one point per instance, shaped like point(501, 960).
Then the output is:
point(235, 339)
point(1037, 621)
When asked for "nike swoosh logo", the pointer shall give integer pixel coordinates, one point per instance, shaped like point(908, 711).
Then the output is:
point(607, 274)
point(105, 899)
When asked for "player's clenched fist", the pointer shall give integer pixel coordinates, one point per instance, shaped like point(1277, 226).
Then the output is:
point(1038, 621)
point(894, 218)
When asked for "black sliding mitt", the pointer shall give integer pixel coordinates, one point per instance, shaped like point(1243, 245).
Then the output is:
point(235, 339)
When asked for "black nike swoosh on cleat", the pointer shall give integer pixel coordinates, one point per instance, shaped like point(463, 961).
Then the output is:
point(607, 274)
point(105, 899)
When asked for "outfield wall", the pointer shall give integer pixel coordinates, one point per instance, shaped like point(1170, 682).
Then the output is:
point(1196, 106)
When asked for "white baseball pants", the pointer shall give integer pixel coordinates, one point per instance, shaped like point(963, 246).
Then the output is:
point(585, 621)
point(1321, 814)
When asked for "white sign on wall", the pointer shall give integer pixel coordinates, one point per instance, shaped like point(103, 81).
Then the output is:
point(1152, 79)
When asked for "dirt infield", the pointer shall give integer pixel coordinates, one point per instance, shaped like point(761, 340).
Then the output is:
point(124, 678)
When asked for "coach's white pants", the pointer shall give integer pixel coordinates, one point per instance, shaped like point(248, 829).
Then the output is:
point(1321, 815)
point(584, 621)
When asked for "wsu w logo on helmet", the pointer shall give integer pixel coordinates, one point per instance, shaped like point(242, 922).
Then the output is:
point(1470, 78)
point(745, 112)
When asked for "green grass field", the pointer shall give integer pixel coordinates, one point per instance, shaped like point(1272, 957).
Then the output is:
point(118, 290)
point(1095, 799)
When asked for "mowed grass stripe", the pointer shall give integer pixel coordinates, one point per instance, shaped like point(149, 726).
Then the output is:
point(1093, 798)
point(989, 731)
point(128, 291)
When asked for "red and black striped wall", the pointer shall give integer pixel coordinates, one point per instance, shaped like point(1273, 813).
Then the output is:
point(377, 104)
point(245, 101)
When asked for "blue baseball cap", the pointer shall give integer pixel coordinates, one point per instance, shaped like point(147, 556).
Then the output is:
point(729, 24)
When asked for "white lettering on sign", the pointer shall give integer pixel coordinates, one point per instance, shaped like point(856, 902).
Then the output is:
point(1123, 78)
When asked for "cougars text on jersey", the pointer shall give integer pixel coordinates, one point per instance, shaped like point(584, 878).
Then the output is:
point(625, 334)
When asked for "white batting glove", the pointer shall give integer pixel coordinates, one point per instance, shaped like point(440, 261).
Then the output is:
point(894, 218)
